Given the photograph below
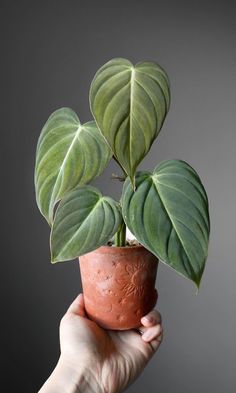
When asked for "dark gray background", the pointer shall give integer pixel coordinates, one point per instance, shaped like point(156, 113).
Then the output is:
point(49, 53)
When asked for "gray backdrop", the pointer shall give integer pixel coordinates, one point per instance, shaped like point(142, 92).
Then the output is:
point(50, 52)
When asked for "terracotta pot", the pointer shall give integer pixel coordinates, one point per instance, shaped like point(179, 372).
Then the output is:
point(118, 285)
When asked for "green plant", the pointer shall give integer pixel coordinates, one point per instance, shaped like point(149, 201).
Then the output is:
point(166, 210)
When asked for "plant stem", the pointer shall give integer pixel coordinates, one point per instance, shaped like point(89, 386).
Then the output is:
point(120, 236)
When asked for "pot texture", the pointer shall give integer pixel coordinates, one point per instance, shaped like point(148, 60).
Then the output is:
point(118, 285)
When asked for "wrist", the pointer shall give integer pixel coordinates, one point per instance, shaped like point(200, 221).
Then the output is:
point(66, 378)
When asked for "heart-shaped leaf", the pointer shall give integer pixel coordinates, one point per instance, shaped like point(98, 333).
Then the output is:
point(68, 154)
point(84, 221)
point(168, 214)
point(129, 104)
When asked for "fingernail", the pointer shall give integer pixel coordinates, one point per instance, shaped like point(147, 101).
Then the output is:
point(148, 319)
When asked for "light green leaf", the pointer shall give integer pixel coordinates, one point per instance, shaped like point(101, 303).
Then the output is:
point(129, 104)
point(68, 153)
point(84, 221)
point(168, 214)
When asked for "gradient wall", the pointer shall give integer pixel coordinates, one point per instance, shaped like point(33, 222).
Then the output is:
point(50, 51)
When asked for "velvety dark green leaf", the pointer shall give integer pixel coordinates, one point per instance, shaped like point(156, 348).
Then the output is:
point(84, 221)
point(168, 214)
point(129, 104)
point(68, 154)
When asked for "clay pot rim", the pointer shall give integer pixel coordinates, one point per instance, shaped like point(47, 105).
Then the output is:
point(120, 250)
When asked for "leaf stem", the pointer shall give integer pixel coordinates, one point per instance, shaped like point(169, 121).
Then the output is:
point(117, 177)
point(120, 236)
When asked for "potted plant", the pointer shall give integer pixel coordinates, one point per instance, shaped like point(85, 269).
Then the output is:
point(166, 209)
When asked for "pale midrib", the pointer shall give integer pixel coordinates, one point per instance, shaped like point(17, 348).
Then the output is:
point(81, 226)
point(187, 197)
point(155, 181)
point(132, 80)
point(198, 188)
point(52, 200)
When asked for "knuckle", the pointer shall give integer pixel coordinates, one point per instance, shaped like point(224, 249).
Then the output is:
point(156, 316)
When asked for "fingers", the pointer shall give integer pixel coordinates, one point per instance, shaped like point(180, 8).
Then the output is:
point(77, 307)
point(151, 329)
point(152, 318)
point(152, 333)
point(156, 342)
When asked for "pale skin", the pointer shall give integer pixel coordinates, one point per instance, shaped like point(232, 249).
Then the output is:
point(96, 360)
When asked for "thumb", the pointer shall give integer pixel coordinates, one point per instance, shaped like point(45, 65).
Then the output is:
point(77, 307)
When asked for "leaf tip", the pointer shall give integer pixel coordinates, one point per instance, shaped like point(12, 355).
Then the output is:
point(54, 259)
point(197, 282)
point(132, 180)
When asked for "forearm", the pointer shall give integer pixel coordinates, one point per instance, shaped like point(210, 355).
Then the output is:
point(64, 379)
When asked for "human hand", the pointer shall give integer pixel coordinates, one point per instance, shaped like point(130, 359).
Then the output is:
point(99, 360)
